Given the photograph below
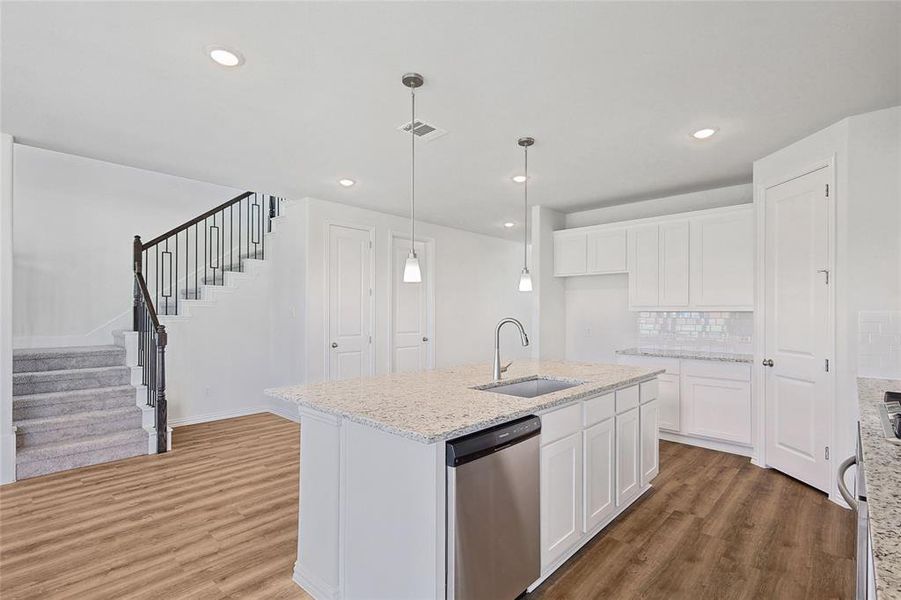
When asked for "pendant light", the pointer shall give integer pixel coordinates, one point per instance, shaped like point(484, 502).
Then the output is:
point(412, 272)
point(525, 278)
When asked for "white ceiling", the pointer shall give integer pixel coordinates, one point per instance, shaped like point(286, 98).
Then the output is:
point(610, 91)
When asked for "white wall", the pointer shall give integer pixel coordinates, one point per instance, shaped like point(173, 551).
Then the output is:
point(548, 308)
point(597, 317)
point(668, 205)
point(867, 154)
point(74, 220)
point(476, 283)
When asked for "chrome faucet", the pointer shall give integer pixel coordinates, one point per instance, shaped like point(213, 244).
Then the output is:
point(498, 369)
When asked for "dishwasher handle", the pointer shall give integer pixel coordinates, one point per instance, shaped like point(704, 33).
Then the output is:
point(842, 487)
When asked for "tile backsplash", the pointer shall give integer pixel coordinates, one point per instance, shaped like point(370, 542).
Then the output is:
point(879, 344)
point(707, 331)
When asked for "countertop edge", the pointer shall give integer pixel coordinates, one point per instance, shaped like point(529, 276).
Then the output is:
point(444, 436)
point(725, 357)
point(881, 466)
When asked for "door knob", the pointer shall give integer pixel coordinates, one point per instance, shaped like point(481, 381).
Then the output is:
point(334, 344)
point(768, 362)
point(425, 339)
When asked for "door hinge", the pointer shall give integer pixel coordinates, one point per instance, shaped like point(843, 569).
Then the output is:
point(370, 241)
point(827, 365)
point(370, 291)
point(370, 339)
point(827, 452)
point(827, 190)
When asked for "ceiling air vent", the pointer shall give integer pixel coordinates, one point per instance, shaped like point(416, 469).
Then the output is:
point(424, 131)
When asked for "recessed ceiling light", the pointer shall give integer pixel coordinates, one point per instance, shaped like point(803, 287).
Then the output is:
point(703, 134)
point(519, 178)
point(346, 182)
point(225, 56)
point(509, 224)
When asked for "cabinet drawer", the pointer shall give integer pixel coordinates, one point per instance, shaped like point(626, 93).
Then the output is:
point(717, 369)
point(652, 362)
point(626, 399)
point(648, 391)
point(597, 409)
point(560, 423)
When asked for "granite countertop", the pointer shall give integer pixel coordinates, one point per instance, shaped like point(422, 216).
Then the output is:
point(433, 406)
point(688, 354)
point(882, 468)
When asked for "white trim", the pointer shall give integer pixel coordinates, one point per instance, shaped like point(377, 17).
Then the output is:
point(326, 287)
point(429, 244)
point(690, 440)
point(758, 375)
point(313, 585)
point(7, 429)
point(218, 416)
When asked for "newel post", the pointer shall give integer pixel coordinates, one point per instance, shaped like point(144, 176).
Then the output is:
point(137, 266)
point(162, 418)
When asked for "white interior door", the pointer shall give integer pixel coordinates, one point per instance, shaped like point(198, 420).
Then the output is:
point(798, 335)
point(350, 303)
point(410, 309)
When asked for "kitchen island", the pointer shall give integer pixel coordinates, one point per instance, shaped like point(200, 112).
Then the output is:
point(372, 476)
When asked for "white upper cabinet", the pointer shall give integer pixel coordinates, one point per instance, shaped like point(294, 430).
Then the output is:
point(674, 261)
point(570, 253)
point(698, 261)
point(722, 260)
point(607, 251)
point(644, 263)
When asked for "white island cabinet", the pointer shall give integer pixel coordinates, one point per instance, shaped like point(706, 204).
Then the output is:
point(373, 487)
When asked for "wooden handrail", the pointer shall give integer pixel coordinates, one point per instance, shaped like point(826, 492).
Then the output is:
point(196, 220)
point(145, 293)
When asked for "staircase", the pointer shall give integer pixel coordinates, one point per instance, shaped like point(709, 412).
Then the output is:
point(80, 406)
point(73, 407)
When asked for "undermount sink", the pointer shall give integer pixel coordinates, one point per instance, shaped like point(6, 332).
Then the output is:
point(531, 387)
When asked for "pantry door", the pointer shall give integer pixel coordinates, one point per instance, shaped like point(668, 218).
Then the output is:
point(349, 303)
point(798, 334)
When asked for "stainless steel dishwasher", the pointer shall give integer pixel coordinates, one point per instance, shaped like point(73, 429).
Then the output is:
point(493, 527)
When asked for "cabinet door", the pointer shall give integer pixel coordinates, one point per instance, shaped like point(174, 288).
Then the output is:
point(644, 274)
point(570, 253)
point(668, 402)
point(628, 478)
point(722, 260)
point(599, 444)
point(607, 251)
point(717, 408)
point(674, 259)
point(650, 464)
point(561, 497)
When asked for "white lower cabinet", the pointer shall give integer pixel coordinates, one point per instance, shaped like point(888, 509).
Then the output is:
point(628, 480)
point(668, 409)
point(591, 466)
point(650, 463)
point(717, 408)
point(561, 497)
point(599, 446)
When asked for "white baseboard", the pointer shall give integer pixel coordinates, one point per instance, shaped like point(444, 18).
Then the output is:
point(313, 585)
point(218, 416)
point(705, 443)
point(285, 408)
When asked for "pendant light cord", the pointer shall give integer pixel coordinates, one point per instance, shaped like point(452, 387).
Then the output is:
point(525, 216)
point(412, 171)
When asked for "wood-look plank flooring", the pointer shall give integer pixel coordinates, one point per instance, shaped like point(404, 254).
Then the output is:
point(217, 518)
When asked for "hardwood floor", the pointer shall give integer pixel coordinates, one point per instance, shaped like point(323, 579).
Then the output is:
point(217, 518)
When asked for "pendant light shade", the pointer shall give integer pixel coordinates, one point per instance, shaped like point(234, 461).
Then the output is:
point(525, 281)
point(525, 278)
point(412, 272)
